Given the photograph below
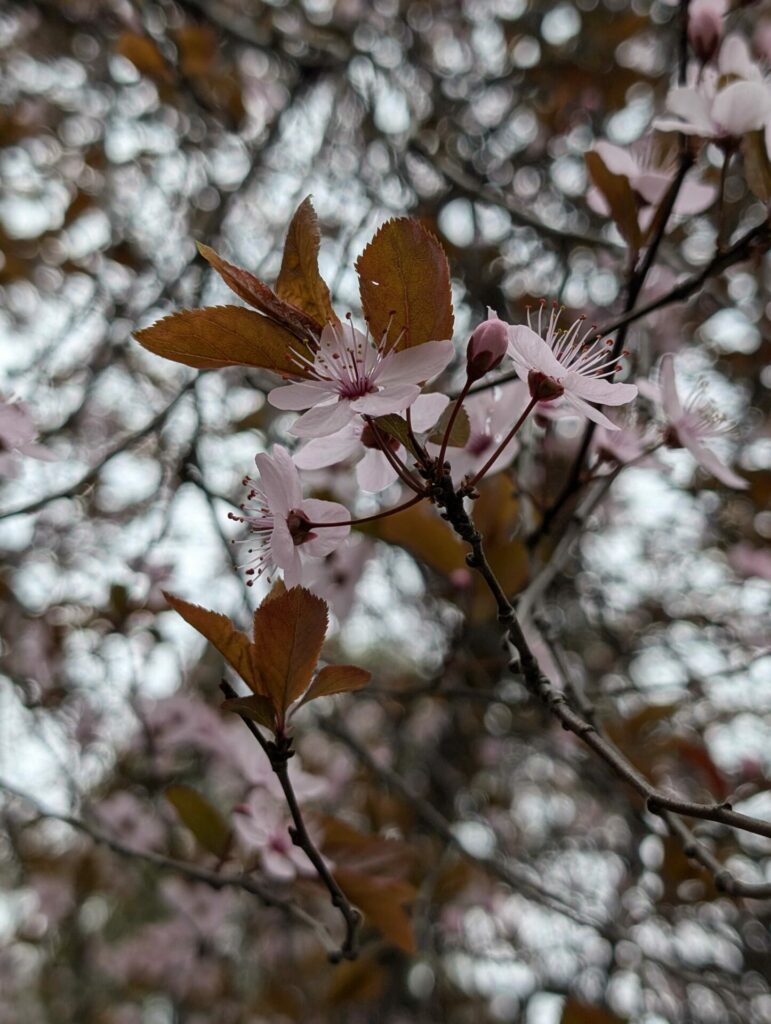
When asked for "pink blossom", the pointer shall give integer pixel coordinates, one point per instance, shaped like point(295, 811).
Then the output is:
point(623, 446)
point(358, 439)
point(749, 561)
point(181, 721)
point(17, 437)
point(262, 825)
point(491, 415)
point(281, 520)
point(486, 347)
point(690, 424)
point(723, 104)
point(568, 363)
point(705, 27)
point(253, 768)
point(335, 578)
point(350, 376)
point(130, 821)
point(649, 181)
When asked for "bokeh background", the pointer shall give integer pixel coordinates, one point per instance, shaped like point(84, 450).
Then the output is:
point(129, 131)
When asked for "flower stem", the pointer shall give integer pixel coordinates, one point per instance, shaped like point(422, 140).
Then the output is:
point(451, 421)
point(396, 463)
point(372, 518)
point(478, 476)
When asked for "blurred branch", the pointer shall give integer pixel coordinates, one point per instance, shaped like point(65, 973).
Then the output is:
point(264, 893)
point(475, 190)
point(433, 820)
point(73, 490)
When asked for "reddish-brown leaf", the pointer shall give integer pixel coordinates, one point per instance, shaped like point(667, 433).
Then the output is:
point(619, 197)
point(575, 1012)
point(219, 336)
point(404, 272)
point(299, 281)
point(288, 635)
point(334, 679)
point(382, 902)
point(256, 708)
point(232, 644)
point(254, 291)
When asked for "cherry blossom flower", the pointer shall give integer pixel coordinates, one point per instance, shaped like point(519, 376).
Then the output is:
point(749, 561)
point(650, 182)
point(262, 827)
point(623, 446)
point(129, 820)
point(351, 376)
point(281, 520)
point(358, 439)
point(556, 362)
point(690, 424)
point(336, 577)
point(723, 104)
point(491, 415)
point(17, 437)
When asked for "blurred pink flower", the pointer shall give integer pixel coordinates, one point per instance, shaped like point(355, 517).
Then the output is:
point(281, 520)
point(373, 471)
point(568, 363)
point(17, 437)
point(130, 821)
point(723, 104)
point(491, 414)
point(204, 907)
point(749, 561)
point(336, 577)
point(650, 182)
point(182, 721)
point(352, 376)
point(623, 446)
point(262, 825)
point(689, 425)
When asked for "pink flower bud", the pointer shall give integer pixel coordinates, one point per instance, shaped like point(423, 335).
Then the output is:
point(486, 348)
point(705, 27)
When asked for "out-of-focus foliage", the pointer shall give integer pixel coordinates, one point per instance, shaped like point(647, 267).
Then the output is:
point(503, 873)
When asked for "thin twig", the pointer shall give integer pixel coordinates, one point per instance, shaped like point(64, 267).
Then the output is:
point(279, 754)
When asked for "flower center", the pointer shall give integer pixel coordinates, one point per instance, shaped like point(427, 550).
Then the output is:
point(478, 443)
point(356, 388)
point(299, 527)
point(542, 387)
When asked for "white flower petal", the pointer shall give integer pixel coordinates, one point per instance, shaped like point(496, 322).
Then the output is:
point(415, 365)
point(670, 401)
point(712, 463)
point(323, 420)
point(374, 473)
point(320, 452)
point(327, 537)
point(300, 396)
point(391, 398)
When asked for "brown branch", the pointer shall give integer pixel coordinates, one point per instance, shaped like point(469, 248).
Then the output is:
point(557, 703)
point(279, 753)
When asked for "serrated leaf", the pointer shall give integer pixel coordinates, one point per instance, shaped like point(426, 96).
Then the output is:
point(232, 644)
point(404, 283)
point(382, 902)
point(757, 167)
point(299, 281)
point(289, 632)
point(254, 291)
point(334, 679)
point(461, 428)
point(202, 818)
point(396, 426)
point(218, 336)
point(256, 708)
point(619, 197)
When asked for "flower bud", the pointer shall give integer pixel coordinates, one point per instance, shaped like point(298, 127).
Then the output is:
point(705, 27)
point(486, 348)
